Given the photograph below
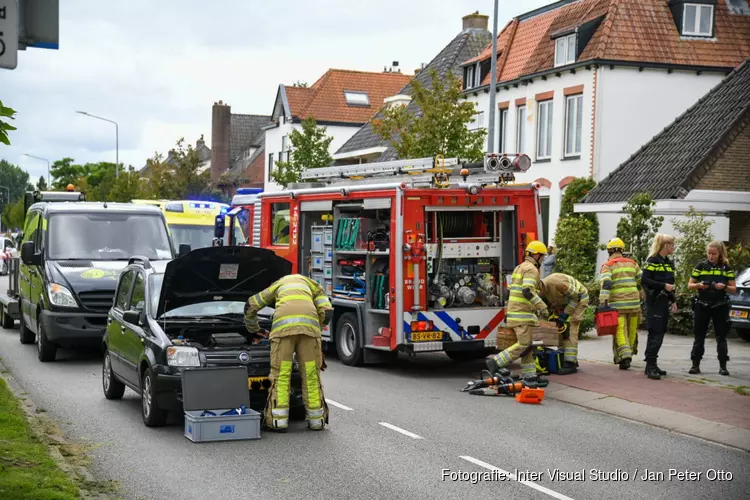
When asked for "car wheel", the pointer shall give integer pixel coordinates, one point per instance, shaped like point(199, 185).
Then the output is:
point(25, 335)
point(113, 388)
point(347, 340)
point(6, 320)
point(46, 350)
point(743, 333)
point(153, 416)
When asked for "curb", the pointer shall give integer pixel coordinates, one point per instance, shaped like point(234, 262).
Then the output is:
point(715, 432)
point(80, 475)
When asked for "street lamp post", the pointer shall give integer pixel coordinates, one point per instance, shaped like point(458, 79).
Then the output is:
point(117, 139)
point(49, 178)
point(493, 89)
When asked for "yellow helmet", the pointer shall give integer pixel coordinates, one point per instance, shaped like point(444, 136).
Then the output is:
point(615, 243)
point(537, 247)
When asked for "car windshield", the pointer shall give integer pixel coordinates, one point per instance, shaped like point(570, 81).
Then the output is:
point(107, 236)
point(199, 236)
point(208, 308)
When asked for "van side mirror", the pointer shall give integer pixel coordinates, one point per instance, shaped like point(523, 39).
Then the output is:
point(28, 256)
point(184, 250)
point(219, 226)
point(132, 317)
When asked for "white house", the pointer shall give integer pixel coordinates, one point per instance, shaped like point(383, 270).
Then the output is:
point(582, 84)
point(342, 101)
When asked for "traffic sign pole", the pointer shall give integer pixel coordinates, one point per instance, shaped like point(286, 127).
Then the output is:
point(8, 34)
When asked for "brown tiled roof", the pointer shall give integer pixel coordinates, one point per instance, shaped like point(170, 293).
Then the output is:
point(636, 31)
point(325, 100)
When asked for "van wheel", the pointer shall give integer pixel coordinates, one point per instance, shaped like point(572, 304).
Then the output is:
point(347, 340)
point(25, 335)
point(6, 320)
point(113, 388)
point(46, 350)
point(153, 416)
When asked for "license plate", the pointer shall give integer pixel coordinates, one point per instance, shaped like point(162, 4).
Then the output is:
point(426, 336)
point(260, 380)
point(737, 314)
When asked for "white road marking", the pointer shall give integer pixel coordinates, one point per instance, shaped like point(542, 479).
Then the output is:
point(399, 429)
point(537, 487)
point(338, 405)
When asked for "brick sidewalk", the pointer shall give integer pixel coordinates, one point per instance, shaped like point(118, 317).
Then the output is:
point(709, 403)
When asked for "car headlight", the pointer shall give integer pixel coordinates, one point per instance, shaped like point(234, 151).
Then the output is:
point(182, 356)
point(60, 296)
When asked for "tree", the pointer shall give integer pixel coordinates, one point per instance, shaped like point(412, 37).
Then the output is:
point(309, 150)
point(577, 235)
point(126, 187)
point(690, 246)
point(5, 127)
point(440, 126)
point(13, 215)
point(638, 228)
point(65, 172)
point(41, 184)
point(15, 179)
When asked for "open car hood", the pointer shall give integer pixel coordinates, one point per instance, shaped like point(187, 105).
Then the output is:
point(219, 273)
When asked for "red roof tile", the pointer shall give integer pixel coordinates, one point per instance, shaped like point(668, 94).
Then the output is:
point(630, 30)
point(325, 100)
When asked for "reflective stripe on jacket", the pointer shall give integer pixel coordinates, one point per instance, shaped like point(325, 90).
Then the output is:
point(524, 283)
point(300, 305)
point(566, 292)
point(620, 280)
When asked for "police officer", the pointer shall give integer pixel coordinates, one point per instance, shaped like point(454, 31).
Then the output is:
point(713, 279)
point(620, 278)
point(302, 310)
point(658, 280)
point(570, 298)
point(523, 306)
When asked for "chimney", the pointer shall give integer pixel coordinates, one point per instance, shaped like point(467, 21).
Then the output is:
point(200, 143)
point(397, 100)
point(476, 21)
point(221, 117)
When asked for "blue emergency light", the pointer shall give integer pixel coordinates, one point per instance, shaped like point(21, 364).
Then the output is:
point(249, 190)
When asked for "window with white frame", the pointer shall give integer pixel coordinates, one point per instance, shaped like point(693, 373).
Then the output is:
point(544, 130)
point(565, 50)
point(478, 121)
point(697, 20)
point(285, 142)
point(469, 77)
point(573, 124)
point(520, 129)
point(502, 143)
point(354, 98)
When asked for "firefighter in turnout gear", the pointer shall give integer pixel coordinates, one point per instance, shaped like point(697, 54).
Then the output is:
point(302, 309)
point(570, 298)
point(523, 306)
point(620, 280)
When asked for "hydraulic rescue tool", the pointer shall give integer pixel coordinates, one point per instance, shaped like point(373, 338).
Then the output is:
point(502, 384)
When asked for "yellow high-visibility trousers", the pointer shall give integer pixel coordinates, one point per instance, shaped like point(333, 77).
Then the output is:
point(521, 349)
point(625, 341)
point(310, 359)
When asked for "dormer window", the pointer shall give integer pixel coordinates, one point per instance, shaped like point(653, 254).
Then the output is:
point(697, 20)
point(356, 98)
point(565, 50)
point(472, 76)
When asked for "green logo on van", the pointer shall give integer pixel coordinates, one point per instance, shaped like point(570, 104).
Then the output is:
point(96, 274)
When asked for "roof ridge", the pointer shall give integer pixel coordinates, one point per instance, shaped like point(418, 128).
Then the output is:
point(250, 114)
point(506, 49)
point(358, 71)
point(607, 28)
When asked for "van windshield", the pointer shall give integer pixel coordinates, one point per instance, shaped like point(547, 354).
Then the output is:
point(107, 236)
point(200, 236)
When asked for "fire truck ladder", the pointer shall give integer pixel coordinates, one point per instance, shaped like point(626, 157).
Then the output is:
point(438, 170)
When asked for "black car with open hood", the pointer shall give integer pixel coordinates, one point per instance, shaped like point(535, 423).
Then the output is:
point(189, 313)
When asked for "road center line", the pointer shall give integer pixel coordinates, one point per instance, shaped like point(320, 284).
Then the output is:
point(537, 487)
point(399, 429)
point(338, 405)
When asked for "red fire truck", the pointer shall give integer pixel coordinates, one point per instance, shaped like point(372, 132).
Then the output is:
point(416, 255)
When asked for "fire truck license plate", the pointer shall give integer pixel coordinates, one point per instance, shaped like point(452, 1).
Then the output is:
point(426, 336)
point(735, 314)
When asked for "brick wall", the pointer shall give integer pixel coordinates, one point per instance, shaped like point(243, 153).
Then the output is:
point(731, 172)
point(739, 227)
point(256, 172)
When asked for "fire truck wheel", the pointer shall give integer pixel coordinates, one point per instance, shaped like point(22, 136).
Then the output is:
point(348, 345)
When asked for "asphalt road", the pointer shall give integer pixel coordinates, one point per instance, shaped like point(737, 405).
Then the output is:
point(393, 430)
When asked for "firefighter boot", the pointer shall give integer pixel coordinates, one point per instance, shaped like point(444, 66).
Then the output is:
point(568, 368)
point(496, 369)
point(696, 368)
point(625, 364)
point(723, 368)
point(652, 372)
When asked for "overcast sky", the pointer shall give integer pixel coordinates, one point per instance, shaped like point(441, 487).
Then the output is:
point(156, 67)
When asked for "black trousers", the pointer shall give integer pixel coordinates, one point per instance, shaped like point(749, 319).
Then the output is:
point(657, 318)
point(703, 315)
